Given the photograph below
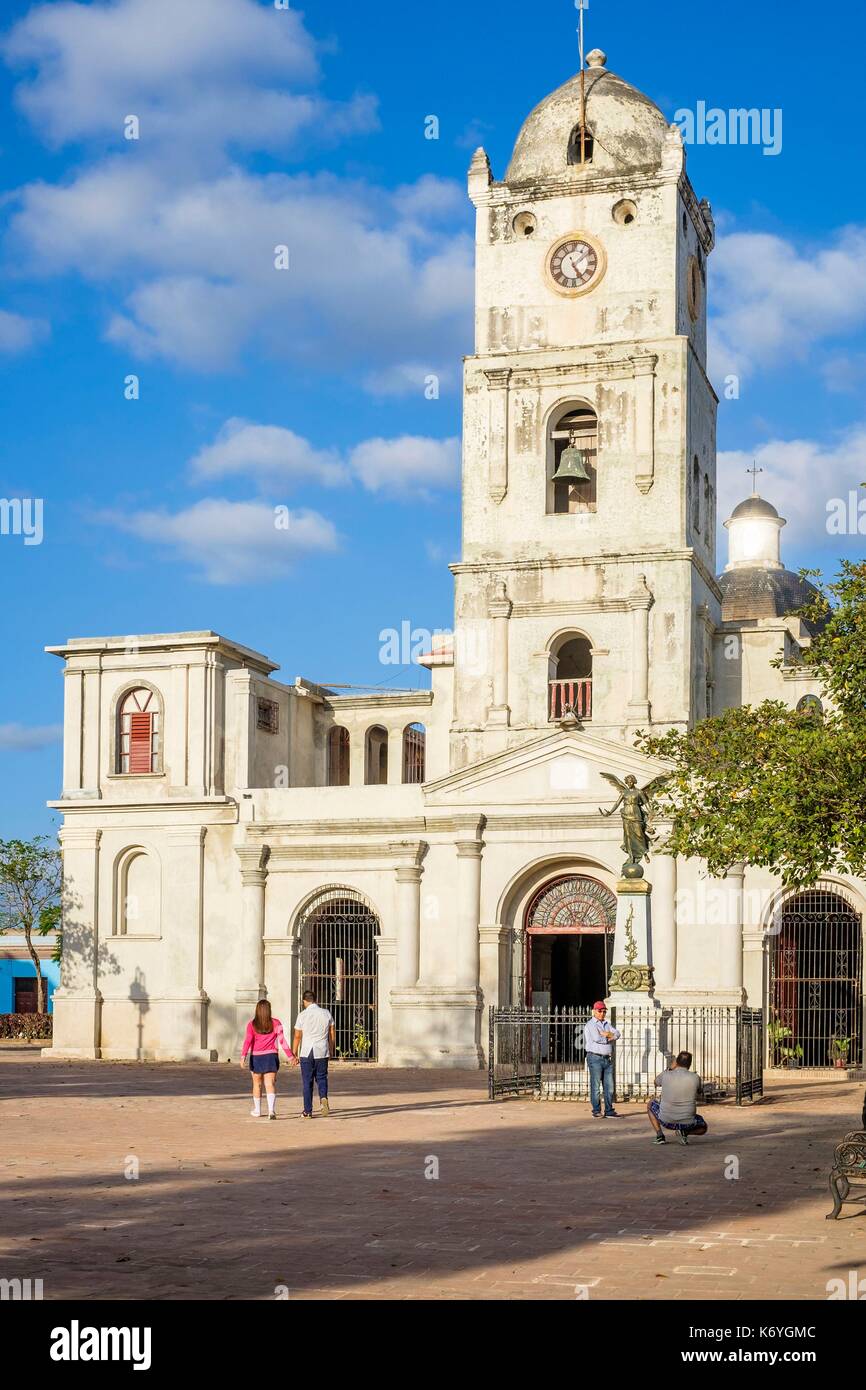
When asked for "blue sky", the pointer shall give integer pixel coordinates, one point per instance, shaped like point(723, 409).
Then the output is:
point(261, 127)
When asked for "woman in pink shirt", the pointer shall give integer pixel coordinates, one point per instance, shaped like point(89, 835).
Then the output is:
point(263, 1037)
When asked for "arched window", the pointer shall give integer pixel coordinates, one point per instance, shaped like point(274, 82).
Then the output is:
point(414, 741)
point(570, 678)
point(576, 155)
point(816, 980)
point(139, 735)
point(376, 757)
point(572, 460)
point(136, 894)
point(696, 496)
point(338, 757)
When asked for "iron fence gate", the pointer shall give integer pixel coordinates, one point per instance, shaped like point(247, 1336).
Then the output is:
point(339, 961)
point(816, 982)
point(750, 1054)
point(541, 1053)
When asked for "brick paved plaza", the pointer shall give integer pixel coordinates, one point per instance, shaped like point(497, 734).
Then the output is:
point(532, 1199)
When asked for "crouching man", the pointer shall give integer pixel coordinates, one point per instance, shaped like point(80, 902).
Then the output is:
point(676, 1108)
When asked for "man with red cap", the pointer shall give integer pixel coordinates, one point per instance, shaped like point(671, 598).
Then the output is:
point(599, 1036)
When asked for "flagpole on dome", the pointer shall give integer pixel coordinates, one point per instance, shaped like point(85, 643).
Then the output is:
point(582, 5)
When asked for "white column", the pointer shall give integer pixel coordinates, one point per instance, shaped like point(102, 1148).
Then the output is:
point(731, 932)
point(395, 757)
point(644, 365)
point(357, 757)
point(640, 602)
point(250, 967)
point(181, 1008)
point(500, 612)
point(77, 1000)
point(73, 716)
point(408, 913)
point(468, 912)
point(664, 920)
point(497, 386)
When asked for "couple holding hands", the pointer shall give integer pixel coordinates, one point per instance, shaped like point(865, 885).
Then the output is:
point(312, 1048)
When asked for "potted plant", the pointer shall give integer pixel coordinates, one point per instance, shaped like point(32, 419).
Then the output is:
point(777, 1032)
point(791, 1056)
point(839, 1049)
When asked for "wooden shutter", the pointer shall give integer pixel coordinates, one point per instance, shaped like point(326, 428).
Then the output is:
point(140, 742)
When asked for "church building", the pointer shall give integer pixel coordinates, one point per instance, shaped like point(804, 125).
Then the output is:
point(421, 855)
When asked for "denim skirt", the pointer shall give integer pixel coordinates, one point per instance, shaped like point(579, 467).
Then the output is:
point(262, 1062)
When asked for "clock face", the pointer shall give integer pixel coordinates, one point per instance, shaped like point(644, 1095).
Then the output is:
point(575, 264)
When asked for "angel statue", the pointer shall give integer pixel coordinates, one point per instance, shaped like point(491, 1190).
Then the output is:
point(636, 832)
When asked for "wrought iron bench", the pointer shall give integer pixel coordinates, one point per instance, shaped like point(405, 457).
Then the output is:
point(849, 1166)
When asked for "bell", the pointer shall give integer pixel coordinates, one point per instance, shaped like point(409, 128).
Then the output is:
point(572, 466)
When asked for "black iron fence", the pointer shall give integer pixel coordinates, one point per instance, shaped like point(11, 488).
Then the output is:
point(542, 1053)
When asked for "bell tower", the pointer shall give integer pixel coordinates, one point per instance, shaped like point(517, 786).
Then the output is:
point(586, 585)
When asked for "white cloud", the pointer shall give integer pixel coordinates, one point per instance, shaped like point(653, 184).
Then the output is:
point(777, 300)
point(182, 241)
point(28, 737)
point(18, 333)
point(230, 542)
point(408, 466)
point(800, 477)
point(198, 74)
point(269, 453)
point(411, 379)
point(199, 257)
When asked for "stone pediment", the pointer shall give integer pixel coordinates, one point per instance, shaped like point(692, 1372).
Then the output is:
point(562, 767)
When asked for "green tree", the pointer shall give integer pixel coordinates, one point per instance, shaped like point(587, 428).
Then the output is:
point(772, 786)
point(30, 887)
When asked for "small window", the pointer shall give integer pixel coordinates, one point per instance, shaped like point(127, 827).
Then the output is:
point(696, 496)
point(376, 759)
point(26, 995)
point(268, 716)
point(580, 149)
point(338, 757)
point(139, 733)
point(414, 741)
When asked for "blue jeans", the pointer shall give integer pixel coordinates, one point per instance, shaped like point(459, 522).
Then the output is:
point(600, 1074)
point(314, 1068)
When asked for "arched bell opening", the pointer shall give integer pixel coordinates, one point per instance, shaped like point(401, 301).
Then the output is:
point(572, 460)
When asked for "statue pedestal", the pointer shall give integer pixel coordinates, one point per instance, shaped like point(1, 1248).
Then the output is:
point(631, 980)
point(635, 1012)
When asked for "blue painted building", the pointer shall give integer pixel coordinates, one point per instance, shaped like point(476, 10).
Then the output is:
point(18, 986)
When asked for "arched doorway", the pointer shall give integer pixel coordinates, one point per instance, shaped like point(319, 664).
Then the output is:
point(339, 960)
point(568, 930)
point(815, 1011)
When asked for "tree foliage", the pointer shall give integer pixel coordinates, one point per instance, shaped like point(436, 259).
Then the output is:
point(770, 786)
point(30, 887)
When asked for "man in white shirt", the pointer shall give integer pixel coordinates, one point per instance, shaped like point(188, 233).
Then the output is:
point(599, 1035)
point(314, 1043)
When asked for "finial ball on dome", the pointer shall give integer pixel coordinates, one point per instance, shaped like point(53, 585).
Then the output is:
point(596, 59)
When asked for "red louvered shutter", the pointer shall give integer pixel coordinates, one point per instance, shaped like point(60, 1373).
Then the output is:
point(140, 742)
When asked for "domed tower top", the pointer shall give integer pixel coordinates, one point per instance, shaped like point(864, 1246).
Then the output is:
point(755, 583)
point(628, 131)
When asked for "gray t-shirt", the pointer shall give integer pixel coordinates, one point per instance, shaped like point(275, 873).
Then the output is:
point(679, 1095)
